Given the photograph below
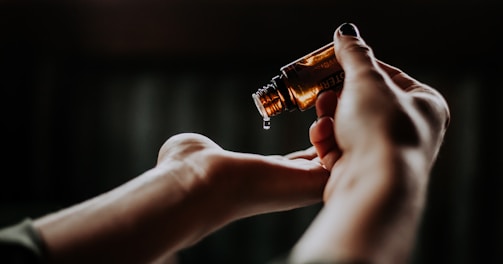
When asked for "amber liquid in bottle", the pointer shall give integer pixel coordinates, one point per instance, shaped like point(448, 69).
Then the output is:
point(299, 83)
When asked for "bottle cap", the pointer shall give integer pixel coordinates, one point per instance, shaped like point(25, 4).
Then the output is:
point(268, 100)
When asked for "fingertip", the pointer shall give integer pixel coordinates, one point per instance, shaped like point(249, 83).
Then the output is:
point(348, 29)
point(326, 103)
point(321, 129)
point(321, 134)
point(351, 51)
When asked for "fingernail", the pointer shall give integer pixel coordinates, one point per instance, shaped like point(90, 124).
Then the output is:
point(348, 29)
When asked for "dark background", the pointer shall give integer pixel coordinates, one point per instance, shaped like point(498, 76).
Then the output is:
point(91, 89)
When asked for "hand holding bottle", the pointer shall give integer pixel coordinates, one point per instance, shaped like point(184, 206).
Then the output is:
point(379, 138)
point(379, 105)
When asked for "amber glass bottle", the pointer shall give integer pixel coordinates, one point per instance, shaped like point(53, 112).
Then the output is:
point(299, 83)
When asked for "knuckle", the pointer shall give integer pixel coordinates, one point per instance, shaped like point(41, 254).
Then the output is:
point(433, 109)
point(359, 47)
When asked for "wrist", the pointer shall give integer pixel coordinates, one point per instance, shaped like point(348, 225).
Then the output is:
point(373, 207)
point(190, 202)
point(165, 209)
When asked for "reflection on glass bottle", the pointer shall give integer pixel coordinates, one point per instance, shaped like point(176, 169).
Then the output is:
point(299, 83)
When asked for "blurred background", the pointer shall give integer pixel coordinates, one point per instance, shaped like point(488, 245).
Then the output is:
point(92, 88)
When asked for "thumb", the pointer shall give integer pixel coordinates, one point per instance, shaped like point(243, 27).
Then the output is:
point(351, 51)
point(366, 89)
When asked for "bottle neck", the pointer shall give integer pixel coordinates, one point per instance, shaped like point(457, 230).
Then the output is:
point(273, 98)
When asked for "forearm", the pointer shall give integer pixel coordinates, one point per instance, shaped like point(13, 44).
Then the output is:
point(151, 215)
point(196, 188)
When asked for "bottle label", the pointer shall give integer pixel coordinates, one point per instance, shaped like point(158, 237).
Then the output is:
point(332, 81)
point(306, 77)
point(326, 64)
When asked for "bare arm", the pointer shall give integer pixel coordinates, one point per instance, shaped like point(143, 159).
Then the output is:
point(196, 188)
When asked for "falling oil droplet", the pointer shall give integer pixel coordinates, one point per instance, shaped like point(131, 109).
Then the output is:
point(267, 123)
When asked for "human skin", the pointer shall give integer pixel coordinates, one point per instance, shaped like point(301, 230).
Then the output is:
point(374, 148)
point(195, 188)
point(379, 138)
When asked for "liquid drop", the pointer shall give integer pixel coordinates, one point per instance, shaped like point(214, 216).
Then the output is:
point(267, 123)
